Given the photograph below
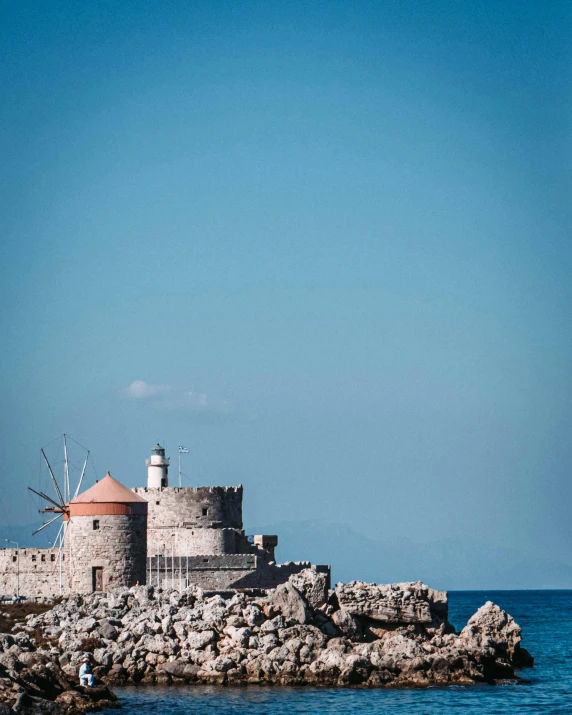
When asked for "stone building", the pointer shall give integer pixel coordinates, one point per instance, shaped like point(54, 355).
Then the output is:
point(196, 535)
point(194, 520)
point(168, 536)
point(32, 572)
point(106, 538)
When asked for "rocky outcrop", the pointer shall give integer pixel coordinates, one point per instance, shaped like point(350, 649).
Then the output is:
point(394, 603)
point(299, 633)
point(492, 631)
point(32, 682)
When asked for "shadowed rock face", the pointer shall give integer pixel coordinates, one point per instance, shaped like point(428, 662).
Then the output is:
point(357, 634)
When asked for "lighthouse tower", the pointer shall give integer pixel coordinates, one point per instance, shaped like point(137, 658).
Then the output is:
point(157, 468)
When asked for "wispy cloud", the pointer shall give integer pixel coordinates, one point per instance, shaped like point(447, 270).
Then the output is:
point(141, 390)
point(186, 403)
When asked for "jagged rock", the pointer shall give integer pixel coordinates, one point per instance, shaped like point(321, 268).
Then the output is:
point(312, 585)
point(29, 705)
point(108, 631)
point(394, 603)
point(73, 700)
point(86, 625)
point(6, 642)
point(347, 624)
point(290, 602)
point(493, 629)
point(197, 641)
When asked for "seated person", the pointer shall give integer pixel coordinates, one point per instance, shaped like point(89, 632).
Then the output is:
point(85, 674)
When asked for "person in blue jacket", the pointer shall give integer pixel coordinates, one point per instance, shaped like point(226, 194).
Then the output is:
point(85, 674)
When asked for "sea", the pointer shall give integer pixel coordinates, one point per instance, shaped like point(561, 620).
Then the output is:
point(546, 621)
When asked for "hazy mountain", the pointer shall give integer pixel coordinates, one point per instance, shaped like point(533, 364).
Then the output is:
point(452, 564)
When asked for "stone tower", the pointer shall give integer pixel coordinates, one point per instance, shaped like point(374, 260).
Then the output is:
point(157, 469)
point(106, 538)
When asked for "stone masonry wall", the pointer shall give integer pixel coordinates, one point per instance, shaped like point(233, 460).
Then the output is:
point(209, 572)
point(223, 572)
point(39, 572)
point(193, 521)
point(119, 546)
point(190, 541)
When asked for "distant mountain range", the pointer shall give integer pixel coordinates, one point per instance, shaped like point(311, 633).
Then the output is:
point(450, 564)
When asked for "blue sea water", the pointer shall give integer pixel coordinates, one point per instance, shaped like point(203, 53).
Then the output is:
point(546, 620)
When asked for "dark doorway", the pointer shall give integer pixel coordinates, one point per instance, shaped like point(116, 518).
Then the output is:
point(97, 578)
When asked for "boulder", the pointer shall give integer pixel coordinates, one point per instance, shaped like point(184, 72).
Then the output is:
point(395, 603)
point(347, 624)
point(291, 604)
point(200, 640)
point(492, 629)
point(30, 705)
point(312, 585)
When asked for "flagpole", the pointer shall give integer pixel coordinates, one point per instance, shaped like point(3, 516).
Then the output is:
point(182, 450)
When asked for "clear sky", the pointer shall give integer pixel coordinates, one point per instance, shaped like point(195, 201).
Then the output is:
point(326, 245)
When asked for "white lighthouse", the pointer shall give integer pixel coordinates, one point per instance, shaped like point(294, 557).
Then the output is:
point(157, 468)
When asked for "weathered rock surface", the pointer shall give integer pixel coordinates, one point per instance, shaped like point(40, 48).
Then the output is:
point(32, 682)
point(357, 634)
point(491, 629)
point(393, 603)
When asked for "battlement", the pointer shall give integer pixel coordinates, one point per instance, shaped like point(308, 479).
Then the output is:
point(141, 491)
point(193, 520)
point(37, 570)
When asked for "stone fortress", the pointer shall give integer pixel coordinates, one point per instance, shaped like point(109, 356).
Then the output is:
point(170, 537)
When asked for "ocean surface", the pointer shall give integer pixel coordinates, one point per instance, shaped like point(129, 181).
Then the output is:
point(546, 621)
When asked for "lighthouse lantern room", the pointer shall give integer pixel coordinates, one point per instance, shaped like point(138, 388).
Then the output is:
point(157, 468)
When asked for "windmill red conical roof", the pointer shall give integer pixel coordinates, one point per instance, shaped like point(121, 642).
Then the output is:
point(106, 491)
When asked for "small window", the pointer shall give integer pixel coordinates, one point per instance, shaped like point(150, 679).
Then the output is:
point(43, 557)
point(157, 503)
point(205, 511)
point(205, 561)
point(52, 557)
point(33, 557)
point(63, 557)
point(14, 558)
point(95, 524)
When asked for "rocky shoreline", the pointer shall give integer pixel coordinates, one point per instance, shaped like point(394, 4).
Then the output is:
point(300, 633)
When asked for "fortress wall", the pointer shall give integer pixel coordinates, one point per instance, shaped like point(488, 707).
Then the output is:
point(39, 572)
point(193, 520)
point(216, 573)
point(200, 506)
point(194, 541)
point(223, 572)
point(119, 546)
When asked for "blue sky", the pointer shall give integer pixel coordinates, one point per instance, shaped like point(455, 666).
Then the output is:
point(331, 238)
